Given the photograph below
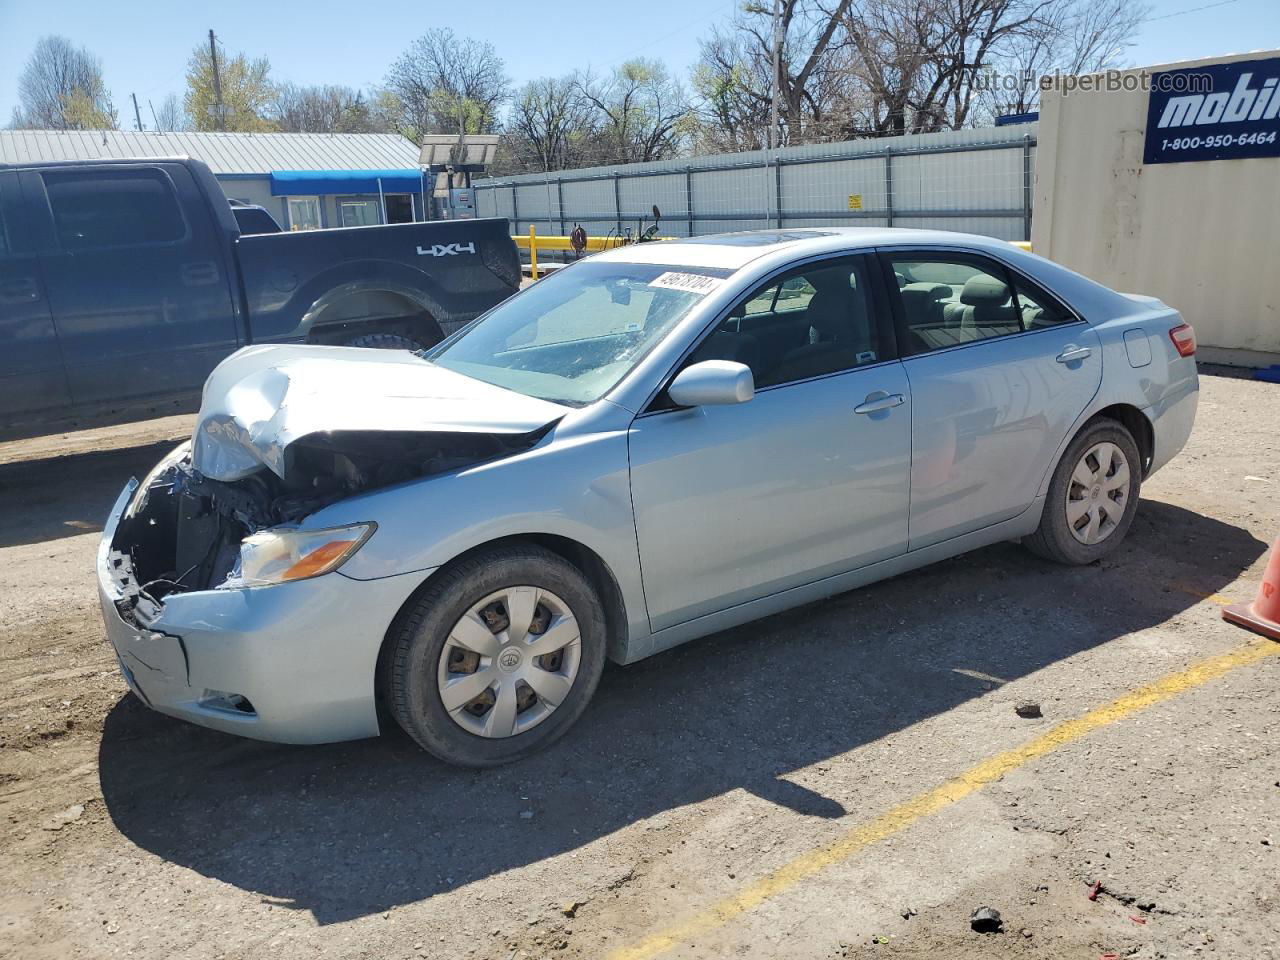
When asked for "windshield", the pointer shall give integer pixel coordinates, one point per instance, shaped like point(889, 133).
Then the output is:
point(570, 337)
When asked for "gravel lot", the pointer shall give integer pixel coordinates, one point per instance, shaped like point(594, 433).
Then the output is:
point(694, 773)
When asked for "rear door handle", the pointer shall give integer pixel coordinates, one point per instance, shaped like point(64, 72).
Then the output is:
point(1073, 353)
point(880, 400)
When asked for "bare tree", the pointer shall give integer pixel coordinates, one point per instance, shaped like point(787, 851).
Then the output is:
point(447, 84)
point(644, 112)
point(61, 88)
point(734, 77)
point(854, 68)
point(323, 109)
point(551, 126)
point(1072, 38)
point(170, 116)
point(731, 83)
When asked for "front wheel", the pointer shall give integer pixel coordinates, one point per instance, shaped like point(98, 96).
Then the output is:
point(1092, 496)
point(498, 656)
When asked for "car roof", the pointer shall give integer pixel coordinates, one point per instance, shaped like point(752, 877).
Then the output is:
point(734, 250)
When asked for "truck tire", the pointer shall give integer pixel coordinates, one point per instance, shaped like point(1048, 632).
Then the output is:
point(385, 341)
point(1092, 497)
point(470, 676)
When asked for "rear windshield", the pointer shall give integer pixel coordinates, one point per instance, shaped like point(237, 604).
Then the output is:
point(571, 337)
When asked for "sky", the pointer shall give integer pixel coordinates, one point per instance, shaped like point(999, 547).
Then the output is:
point(144, 45)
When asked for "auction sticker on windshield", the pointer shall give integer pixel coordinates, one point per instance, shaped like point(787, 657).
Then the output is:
point(688, 282)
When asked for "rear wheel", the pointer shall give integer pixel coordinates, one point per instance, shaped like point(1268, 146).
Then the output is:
point(498, 657)
point(1092, 496)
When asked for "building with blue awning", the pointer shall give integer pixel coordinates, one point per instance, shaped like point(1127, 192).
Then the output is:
point(305, 180)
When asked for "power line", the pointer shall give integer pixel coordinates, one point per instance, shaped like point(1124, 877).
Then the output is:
point(1179, 13)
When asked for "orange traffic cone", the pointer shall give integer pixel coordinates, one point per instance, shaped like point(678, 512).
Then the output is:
point(1263, 615)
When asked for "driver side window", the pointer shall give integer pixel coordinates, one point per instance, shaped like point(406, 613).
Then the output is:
point(810, 322)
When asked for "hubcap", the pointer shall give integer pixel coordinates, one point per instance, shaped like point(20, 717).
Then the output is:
point(1098, 493)
point(509, 662)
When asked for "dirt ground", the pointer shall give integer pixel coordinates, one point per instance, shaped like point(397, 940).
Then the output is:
point(694, 774)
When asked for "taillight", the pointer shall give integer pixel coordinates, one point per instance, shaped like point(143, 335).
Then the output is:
point(1184, 339)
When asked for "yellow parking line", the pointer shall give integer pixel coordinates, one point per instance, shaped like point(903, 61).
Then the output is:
point(1217, 598)
point(905, 814)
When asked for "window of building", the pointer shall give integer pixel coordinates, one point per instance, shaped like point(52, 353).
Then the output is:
point(399, 207)
point(358, 213)
point(115, 208)
point(304, 213)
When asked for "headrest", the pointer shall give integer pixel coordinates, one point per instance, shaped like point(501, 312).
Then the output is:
point(924, 288)
point(982, 290)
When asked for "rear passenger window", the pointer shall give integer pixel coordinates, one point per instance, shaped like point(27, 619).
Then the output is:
point(814, 321)
point(1037, 309)
point(116, 208)
point(950, 302)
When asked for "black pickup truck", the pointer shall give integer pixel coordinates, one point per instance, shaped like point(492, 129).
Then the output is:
point(123, 283)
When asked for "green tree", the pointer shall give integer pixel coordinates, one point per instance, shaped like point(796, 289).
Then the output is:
point(247, 93)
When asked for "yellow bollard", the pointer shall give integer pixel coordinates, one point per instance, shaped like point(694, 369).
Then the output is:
point(533, 251)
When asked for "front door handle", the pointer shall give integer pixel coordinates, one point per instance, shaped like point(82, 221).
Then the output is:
point(1073, 353)
point(879, 400)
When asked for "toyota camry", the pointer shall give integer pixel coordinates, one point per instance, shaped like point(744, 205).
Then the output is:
point(652, 444)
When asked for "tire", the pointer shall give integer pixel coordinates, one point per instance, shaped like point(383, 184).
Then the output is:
point(385, 341)
point(1070, 508)
point(426, 632)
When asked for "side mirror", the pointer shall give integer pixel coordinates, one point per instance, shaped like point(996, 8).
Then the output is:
point(712, 383)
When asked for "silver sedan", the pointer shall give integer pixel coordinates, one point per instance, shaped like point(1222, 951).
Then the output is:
point(652, 444)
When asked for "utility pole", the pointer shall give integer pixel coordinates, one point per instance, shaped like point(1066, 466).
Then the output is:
point(777, 72)
point(219, 114)
point(137, 117)
point(155, 122)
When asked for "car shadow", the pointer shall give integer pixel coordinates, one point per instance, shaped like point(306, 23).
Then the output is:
point(67, 496)
point(352, 829)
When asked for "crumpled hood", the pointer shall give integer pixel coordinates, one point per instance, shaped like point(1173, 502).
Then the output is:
point(263, 398)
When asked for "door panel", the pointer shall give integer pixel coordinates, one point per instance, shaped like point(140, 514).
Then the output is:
point(988, 420)
point(738, 502)
point(136, 281)
point(31, 373)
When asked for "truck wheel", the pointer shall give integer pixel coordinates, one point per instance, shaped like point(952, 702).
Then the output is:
point(498, 656)
point(385, 341)
point(1092, 497)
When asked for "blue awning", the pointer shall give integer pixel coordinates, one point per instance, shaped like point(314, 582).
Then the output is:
point(310, 183)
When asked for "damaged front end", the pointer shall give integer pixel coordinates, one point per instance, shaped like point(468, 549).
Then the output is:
point(183, 531)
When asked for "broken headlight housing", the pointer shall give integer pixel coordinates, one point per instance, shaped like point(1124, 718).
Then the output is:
point(283, 554)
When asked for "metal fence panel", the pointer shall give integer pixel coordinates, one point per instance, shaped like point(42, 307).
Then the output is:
point(744, 192)
point(972, 180)
point(639, 194)
point(589, 201)
point(814, 189)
